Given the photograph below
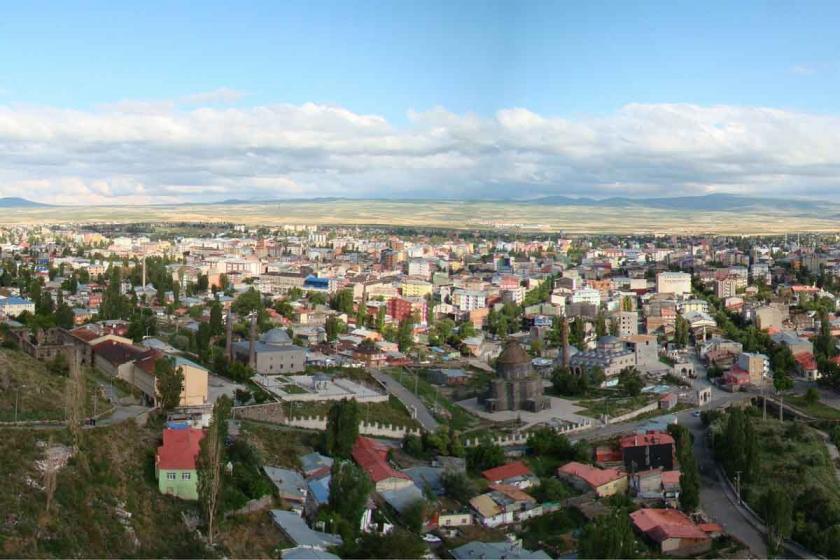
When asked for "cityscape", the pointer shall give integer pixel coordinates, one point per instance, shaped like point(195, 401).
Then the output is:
point(474, 280)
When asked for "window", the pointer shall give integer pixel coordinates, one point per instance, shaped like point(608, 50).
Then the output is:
point(186, 476)
point(170, 476)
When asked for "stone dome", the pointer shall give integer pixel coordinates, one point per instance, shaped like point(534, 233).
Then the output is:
point(513, 354)
point(277, 337)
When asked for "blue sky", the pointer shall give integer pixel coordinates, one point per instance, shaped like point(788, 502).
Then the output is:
point(434, 98)
point(555, 58)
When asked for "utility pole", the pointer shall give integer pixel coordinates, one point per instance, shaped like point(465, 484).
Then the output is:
point(738, 485)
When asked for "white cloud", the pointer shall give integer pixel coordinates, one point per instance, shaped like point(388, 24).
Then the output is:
point(134, 152)
point(220, 95)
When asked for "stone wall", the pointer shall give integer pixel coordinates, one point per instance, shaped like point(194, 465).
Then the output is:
point(521, 438)
point(275, 413)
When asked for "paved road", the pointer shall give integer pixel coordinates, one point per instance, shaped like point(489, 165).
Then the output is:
point(716, 498)
point(409, 399)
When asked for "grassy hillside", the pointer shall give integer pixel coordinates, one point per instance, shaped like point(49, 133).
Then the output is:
point(40, 394)
point(114, 469)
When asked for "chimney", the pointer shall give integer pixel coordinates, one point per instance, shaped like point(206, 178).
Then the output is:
point(252, 349)
point(229, 336)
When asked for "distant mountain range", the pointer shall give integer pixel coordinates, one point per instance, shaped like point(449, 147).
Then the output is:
point(704, 203)
point(16, 202)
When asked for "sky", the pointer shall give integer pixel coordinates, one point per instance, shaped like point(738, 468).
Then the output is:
point(109, 102)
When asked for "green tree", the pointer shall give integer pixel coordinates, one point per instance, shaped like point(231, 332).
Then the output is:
point(170, 383)
point(217, 323)
point(812, 396)
point(209, 464)
point(342, 301)
point(776, 508)
point(342, 428)
point(458, 486)
point(398, 543)
point(483, 456)
point(64, 316)
point(334, 327)
point(350, 487)
point(609, 536)
point(247, 302)
point(631, 381)
point(600, 325)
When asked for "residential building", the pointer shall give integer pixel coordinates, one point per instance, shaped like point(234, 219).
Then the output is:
point(175, 463)
point(372, 457)
point(651, 450)
point(604, 482)
point(671, 531)
point(677, 283)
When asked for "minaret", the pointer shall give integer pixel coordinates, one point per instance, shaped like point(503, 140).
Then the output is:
point(252, 349)
point(564, 339)
point(229, 336)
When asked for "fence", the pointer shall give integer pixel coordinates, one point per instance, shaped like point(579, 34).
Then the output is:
point(521, 438)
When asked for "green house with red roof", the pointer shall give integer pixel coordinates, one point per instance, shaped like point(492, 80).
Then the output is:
point(175, 463)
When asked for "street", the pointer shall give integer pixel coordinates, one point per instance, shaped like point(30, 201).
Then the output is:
point(409, 399)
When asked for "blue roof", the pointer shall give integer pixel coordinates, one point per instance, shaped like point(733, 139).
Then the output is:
point(320, 489)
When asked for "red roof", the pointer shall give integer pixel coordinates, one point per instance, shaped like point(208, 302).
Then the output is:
point(372, 456)
point(671, 478)
point(147, 363)
point(593, 476)
point(85, 334)
point(179, 449)
point(806, 360)
point(662, 524)
point(643, 440)
point(118, 353)
point(511, 470)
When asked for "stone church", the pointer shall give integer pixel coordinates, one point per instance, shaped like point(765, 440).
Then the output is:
point(516, 386)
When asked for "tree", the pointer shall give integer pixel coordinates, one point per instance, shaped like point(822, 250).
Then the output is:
point(170, 383)
point(458, 486)
point(600, 325)
point(334, 327)
point(483, 456)
point(217, 323)
point(777, 509)
point(405, 334)
point(350, 487)
point(209, 463)
point(342, 301)
point(609, 536)
point(247, 302)
point(64, 316)
point(398, 543)
point(812, 396)
point(342, 428)
point(630, 381)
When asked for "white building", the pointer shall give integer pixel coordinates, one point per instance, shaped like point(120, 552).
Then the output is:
point(469, 300)
point(14, 306)
point(587, 295)
point(677, 283)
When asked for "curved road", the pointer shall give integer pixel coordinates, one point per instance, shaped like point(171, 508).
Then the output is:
point(409, 399)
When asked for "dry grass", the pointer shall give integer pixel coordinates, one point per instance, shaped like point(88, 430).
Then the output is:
point(458, 215)
point(40, 394)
